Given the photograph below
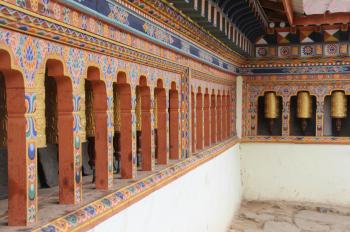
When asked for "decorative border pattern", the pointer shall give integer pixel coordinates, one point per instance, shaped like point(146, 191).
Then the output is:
point(308, 68)
point(114, 202)
point(296, 139)
point(303, 50)
point(120, 17)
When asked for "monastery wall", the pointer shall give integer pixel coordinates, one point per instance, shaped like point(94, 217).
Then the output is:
point(296, 172)
point(204, 199)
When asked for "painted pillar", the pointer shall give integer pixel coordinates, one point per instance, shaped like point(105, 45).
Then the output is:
point(206, 120)
point(319, 115)
point(193, 121)
point(146, 129)
point(199, 121)
point(285, 116)
point(174, 124)
point(21, 149)
point(152, 136)
point(184, 118)
point(213, 118)
point(160, 113)
point(223, 119)
point(102, 164)
point(218, 118)
point(127, 103)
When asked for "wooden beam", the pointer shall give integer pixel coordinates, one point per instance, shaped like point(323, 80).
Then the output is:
point(275, 6)
point(289, 10)
point(319, 19)
point(276, 16)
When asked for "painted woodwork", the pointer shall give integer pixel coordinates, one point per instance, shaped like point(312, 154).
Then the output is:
point(70, 46)
point(319, 87)
point(3, 113)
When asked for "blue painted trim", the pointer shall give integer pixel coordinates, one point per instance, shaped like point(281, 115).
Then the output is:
point(226, 66)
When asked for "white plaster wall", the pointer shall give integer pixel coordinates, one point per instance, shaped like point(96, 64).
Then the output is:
point(296, 172)
point(203, 200)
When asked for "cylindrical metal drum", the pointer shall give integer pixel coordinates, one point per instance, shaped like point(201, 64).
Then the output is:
point(271, 105)
point(339, 105)
point(304, 105)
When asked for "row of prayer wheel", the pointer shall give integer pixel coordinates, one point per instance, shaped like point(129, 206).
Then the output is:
point(304, 108)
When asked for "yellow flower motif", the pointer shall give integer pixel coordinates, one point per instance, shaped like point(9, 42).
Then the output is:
point(34, 4)
point(75, 18)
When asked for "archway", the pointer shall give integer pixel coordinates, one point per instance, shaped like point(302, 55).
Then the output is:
point(213, 117)
point(174, 122)
point(218, 118)
point(229, 126)
point(64, 106)
point(160, 123)
point(123, 125)
point(98, 126)
point(199, 119)
point(224, 117)
point(143, 112)
point(206, 119)
point(14, 131)
point(3, 140)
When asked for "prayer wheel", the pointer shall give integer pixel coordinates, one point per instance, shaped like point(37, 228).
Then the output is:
point(304, 105)
point(304, 109)
point(338, 108)
point(271, 111)
point(271, 105)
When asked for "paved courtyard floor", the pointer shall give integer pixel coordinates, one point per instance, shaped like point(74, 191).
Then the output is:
point(290, 217)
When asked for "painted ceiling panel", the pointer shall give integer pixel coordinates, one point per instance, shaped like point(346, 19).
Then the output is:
point(321, 6)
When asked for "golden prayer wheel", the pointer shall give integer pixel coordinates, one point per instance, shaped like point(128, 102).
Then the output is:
point(338, 108)
point(271, 109)
point(304, 105)
point(339, 105)
point(271, 105)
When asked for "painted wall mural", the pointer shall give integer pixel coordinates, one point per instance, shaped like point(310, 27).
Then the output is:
point(119, 16)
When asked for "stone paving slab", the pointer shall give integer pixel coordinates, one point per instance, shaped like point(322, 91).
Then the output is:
point(279, 216)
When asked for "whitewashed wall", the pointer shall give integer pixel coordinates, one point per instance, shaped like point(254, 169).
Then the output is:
point(203, 200)
point(296, 172)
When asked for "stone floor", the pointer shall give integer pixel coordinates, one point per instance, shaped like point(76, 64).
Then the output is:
point(290, 217)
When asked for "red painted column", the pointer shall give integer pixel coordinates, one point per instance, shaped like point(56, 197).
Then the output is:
point(213, 118)
point(199, 119)
point(101, 143)
point(65, 140)
point(206, 121)
point(224, 120)
point(127, 165)
point(174, 124)
point(193, 122)
point(218, 118)
point(17, 152)
point(161, 126)
point(229, 106)
point(146, 129)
